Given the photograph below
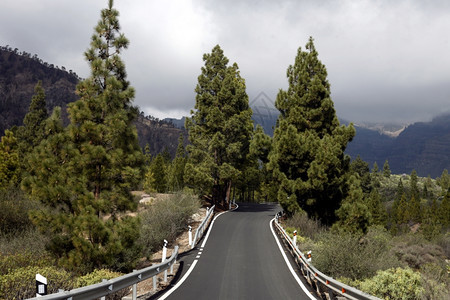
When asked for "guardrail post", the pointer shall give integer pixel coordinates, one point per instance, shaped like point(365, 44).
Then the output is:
point(329, 294)
point(164, 252)
point(134, 290)
point(154, 283)
point(104, 297)
point(190, 235)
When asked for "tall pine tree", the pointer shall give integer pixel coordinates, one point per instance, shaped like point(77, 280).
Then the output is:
point(9, 160)
point(308, 160)
point(176, 170)
point(86, 172)
point(32, 132)
point(220, 128)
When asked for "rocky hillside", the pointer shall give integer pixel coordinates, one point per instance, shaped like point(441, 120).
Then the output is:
point(423, 146)
point(20, 72)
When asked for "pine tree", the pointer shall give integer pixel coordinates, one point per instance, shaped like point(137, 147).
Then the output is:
point(176, 172)
point(414, 188)
point(259, 177)
point(307, 159)
point(94, 163)
point(386, 169)
point(415, 209)
point(398, 196)
point(376, 208)
point(158, 169)
point(354, 214)
point(444, 210)
point(32, 131)
point(9, 160)
point(375, 176)
point(431, 225)
point(402, 213)
point(444, 181)
point(220, 129)
point(361, 168)
point(147, 155)
point(375, 169)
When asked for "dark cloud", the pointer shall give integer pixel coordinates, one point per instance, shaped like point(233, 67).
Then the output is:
point(385, 59)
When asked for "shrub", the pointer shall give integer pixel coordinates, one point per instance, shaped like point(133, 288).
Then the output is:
point(165, 219)
point(9, 263)
point(14, 208)
point(416, 251)
point(305, 226)
point(97, 276)
point(21, 282)
point(435, 281)
point(352, 256)
point(395, 283)
point(29, 240)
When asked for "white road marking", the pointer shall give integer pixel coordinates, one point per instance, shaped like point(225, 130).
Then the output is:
point(300, 283)
point(179, 283)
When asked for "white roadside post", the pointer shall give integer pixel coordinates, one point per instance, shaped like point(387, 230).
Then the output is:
point(309, 255)
point(163, 259)
point(41, 285)
point(295, 238)
point(190, 235)
point(164, 253)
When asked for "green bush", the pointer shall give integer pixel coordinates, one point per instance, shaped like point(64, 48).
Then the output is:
point(165, 219)
point(28, 240)
point(415, 251)
point(306, 227)
point(395, 283)
point(21, 282)
point(23, 259)
point(435, 281)
point(97, 276)
point(352, 256)
point(14, 208)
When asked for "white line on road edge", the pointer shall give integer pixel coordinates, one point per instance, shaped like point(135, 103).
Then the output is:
point(179, 283)
point(300, 283)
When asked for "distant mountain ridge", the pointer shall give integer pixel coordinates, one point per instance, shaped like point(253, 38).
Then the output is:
point(423, 146)
point(19, 74)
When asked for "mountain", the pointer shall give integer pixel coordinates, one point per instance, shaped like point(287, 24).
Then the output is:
point(19, 74)
point(423, 146)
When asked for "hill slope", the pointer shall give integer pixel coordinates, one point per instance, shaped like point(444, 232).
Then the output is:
point(20, 72)
point(424, 147)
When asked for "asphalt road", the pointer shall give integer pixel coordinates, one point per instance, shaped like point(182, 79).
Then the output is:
point(240, 260)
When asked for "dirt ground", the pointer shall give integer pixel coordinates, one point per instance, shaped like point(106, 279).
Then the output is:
point(145, 288)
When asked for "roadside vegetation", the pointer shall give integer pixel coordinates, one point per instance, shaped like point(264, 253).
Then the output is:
point(67, 211)
point(406, 256)
point(24, 250)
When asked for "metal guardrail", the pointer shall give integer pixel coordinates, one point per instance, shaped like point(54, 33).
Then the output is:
point(319, 281)
point(203, 225)
point(113, 285)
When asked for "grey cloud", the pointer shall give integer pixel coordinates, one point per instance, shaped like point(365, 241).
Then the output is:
point(385, 59)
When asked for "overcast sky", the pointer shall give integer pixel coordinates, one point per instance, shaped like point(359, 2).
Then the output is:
point(386, 60)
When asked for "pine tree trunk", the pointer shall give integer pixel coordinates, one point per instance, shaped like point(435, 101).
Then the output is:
point(228, 194)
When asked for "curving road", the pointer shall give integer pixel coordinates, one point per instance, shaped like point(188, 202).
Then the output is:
point(240, 260)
